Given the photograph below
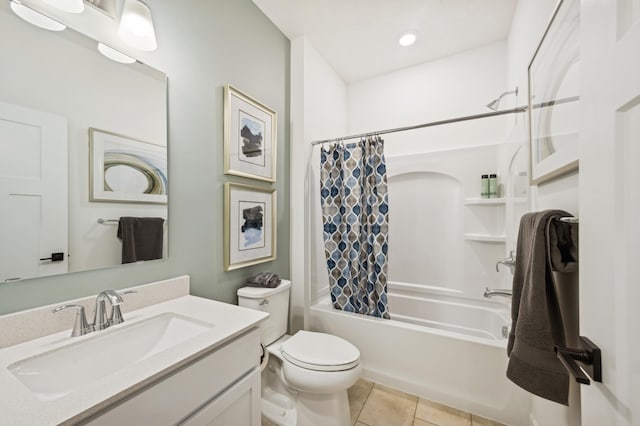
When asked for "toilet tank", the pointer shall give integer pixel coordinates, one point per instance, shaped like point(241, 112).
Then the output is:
point(275, 301)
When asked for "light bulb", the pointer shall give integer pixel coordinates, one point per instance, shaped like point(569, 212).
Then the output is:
point(35, 18)
point(136, 26)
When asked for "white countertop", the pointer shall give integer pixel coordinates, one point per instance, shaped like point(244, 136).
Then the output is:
point(18, 406)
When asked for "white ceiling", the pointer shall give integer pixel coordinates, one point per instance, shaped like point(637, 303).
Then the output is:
point(359, 38)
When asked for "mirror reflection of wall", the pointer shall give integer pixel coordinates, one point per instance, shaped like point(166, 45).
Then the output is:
point(56, 86)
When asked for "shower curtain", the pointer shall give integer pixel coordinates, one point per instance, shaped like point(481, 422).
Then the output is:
point(355, 213)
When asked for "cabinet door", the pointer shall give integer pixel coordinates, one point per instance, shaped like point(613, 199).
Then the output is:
point(182, 393)
point(239, 405)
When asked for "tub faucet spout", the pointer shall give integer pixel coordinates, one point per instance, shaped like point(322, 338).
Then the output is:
point(490, 292)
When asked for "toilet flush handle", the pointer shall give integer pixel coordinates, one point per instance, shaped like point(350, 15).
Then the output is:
point(264, 303)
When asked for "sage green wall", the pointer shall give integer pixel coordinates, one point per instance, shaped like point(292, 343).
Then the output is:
point(203, 45)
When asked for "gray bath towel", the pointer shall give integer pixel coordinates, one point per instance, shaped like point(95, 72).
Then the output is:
point(537, 322)
point(142, 238)
point(264, 279)
point(564, 237)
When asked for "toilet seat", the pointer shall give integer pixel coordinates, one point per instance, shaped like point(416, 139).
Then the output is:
point(320, 352)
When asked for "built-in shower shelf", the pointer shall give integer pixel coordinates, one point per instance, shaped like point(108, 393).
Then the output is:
point(483, 201)
point(485, 238)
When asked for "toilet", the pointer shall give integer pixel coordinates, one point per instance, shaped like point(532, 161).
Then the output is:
point(305, 377)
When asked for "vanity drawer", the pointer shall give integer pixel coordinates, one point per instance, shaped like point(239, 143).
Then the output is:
point(185, 391)
point(238, 405)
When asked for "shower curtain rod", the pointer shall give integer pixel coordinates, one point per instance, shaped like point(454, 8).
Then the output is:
point(420, 126)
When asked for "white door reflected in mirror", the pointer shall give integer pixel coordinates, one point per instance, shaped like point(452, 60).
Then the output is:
point(33, 192)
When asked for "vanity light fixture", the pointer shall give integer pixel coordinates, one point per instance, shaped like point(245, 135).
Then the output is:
point(35, 18)
point(136, 26)
point(114, 54)
point(407, 39)
point(71, 6)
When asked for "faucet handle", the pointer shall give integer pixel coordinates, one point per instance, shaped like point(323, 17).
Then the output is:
point(116, 312)
point(509, 262)
point(80, 326)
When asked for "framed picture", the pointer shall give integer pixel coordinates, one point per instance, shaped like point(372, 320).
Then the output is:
point(126, 170)
point(249, 137)
point(249, 225)
point(554, 95)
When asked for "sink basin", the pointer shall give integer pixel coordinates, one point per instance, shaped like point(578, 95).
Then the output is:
point(54, 374)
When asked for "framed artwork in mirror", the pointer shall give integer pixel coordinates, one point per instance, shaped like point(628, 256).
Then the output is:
point(249, 136)
point(126, 170)
point(249, 225)
point(554, 96)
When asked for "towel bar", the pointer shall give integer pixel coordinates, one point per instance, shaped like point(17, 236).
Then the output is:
point(570, 219)
point(102, 221)
point(586, 359)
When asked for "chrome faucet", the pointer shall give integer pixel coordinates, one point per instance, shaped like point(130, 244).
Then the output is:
point(100, 318)
point(509, 262)
point(490, 292)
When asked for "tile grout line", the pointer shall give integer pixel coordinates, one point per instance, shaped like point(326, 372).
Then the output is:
point(415, 410)
point(469, 417)
point(364, 402)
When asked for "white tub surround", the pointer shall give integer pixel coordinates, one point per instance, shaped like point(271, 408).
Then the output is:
point(441, 348)
point(224, 325)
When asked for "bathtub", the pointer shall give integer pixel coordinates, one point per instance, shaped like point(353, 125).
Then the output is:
point(438, 346)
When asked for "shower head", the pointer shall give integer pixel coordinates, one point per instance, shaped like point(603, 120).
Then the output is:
point(496, 102)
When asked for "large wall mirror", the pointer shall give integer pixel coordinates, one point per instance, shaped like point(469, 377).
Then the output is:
point(83, 142)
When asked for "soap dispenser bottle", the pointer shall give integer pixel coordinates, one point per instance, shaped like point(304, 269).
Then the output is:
point(493, 186)
point(484, 186)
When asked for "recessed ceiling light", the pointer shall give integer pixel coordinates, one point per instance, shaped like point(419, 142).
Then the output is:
point(407, 39)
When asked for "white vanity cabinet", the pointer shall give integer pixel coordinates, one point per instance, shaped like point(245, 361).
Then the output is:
point(222, 387)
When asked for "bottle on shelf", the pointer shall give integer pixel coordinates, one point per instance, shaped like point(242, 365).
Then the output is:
point(484, 186)
point(493, 186)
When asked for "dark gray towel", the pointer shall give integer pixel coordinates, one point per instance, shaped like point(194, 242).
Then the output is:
point(264, 279)
point(564, 236)
point(142, 238)
point(537, 322)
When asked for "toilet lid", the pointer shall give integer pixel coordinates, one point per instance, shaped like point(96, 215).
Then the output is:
point(320, 352)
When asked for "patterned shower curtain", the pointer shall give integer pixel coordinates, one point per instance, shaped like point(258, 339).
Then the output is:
point(355, 213)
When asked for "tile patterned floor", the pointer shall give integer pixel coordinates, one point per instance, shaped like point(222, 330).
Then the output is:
point(372, 404)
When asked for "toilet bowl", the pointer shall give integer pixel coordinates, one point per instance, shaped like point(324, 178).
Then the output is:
point(305, 380)
point(319, 362)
